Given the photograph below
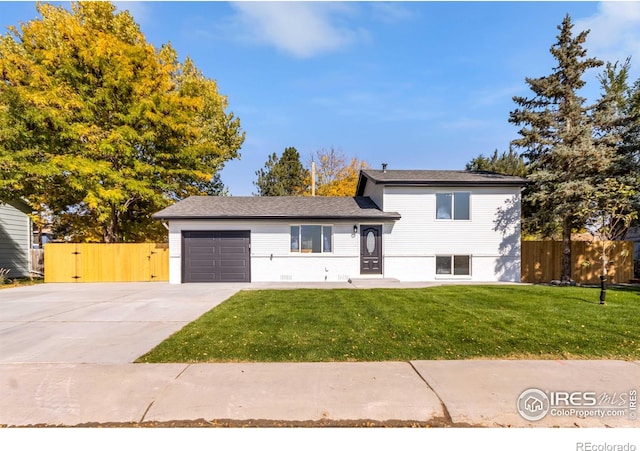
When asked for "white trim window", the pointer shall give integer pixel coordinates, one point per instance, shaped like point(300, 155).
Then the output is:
point(311, 239)
point(453, 206)
point(453, 265)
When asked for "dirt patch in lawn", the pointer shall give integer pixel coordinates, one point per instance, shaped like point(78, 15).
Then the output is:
point(226, 423)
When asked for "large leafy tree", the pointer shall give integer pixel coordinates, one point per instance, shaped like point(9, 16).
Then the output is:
point(282, 176)
point(336, 174)
point(101, 128)
point(557, 136)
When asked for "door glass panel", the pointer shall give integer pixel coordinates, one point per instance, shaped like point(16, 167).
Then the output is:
point(371, 242)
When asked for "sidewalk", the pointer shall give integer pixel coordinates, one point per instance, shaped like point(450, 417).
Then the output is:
point(451, 393)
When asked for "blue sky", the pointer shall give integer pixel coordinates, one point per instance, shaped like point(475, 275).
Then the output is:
point(418, 85)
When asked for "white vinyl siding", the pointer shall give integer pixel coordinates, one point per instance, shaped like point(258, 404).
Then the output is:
point(271, 256)
point(491, 235)
point(376, 193)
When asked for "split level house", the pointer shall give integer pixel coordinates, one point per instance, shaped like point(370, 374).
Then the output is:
point(410, 225)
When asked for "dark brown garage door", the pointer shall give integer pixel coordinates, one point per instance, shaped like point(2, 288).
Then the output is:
point(216, 256)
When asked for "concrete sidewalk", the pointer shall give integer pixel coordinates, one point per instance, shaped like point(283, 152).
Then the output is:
point(475, 392)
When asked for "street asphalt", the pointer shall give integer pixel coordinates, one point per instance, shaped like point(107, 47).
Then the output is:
point(66, 353)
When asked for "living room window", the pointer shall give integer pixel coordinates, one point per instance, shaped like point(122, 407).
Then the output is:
point(311, 239)
point(453, 206)
point(453, 265)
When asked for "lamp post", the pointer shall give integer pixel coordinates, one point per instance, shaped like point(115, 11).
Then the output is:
point(603, 289)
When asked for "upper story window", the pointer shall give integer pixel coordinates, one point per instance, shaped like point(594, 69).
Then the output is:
point(311, 238)
point(452, 206)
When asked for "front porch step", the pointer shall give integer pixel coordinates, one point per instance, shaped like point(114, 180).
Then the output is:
point(362, 281)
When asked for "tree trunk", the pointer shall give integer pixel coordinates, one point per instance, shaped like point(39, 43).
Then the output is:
point(566, 250)
point(39, 237)
point(111, 229)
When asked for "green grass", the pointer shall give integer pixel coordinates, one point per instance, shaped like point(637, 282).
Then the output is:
point(22, 282)
point(446, 322)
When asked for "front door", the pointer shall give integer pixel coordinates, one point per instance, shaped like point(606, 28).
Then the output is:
point(371, 249)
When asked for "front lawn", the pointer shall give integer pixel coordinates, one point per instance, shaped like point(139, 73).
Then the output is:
point(446, 322)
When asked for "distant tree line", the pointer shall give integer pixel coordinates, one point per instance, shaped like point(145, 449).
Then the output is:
point(286, 175)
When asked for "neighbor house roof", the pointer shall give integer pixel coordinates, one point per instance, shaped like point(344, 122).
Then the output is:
point(276, 207)
point(435, 178)
point(18, 204)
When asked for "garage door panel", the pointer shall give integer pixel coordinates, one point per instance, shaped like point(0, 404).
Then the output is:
point(202, 251)
point(233, 263)
point(226, 250)
point(216, 256)
point(232, 276)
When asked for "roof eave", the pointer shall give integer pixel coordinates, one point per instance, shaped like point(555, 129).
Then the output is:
point(389, 216)
point(453, 183)
point(21, 205)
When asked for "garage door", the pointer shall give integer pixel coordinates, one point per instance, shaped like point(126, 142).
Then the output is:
point(216, 256)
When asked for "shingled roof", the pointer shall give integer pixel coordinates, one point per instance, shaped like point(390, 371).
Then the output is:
point(277, 207)
point(436, 178)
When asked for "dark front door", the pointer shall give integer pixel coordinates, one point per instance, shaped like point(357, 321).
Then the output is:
point(216, 256)
point(371, 249)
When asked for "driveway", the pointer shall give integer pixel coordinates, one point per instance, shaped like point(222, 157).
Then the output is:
point(98, 322)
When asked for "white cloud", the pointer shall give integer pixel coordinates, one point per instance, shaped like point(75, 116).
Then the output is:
point(615, 32)
point(391, 12)
point(140, 11)
point(299, 29)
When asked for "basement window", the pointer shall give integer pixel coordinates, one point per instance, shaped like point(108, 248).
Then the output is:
point(453, 265)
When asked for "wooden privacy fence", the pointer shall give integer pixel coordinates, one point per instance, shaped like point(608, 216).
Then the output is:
point(37, 261)
point(542, 261)
point(89, 262)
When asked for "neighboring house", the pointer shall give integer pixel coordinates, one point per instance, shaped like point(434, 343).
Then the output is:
point(15, 238)
point(42, 236)
point(406, 225)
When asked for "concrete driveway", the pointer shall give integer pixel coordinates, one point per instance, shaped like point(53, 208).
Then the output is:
point(98, 323)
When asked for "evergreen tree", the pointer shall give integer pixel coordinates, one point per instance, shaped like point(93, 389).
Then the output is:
point(613, 206)
point(558, 141)
point(282, 176)
point(510, 163)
